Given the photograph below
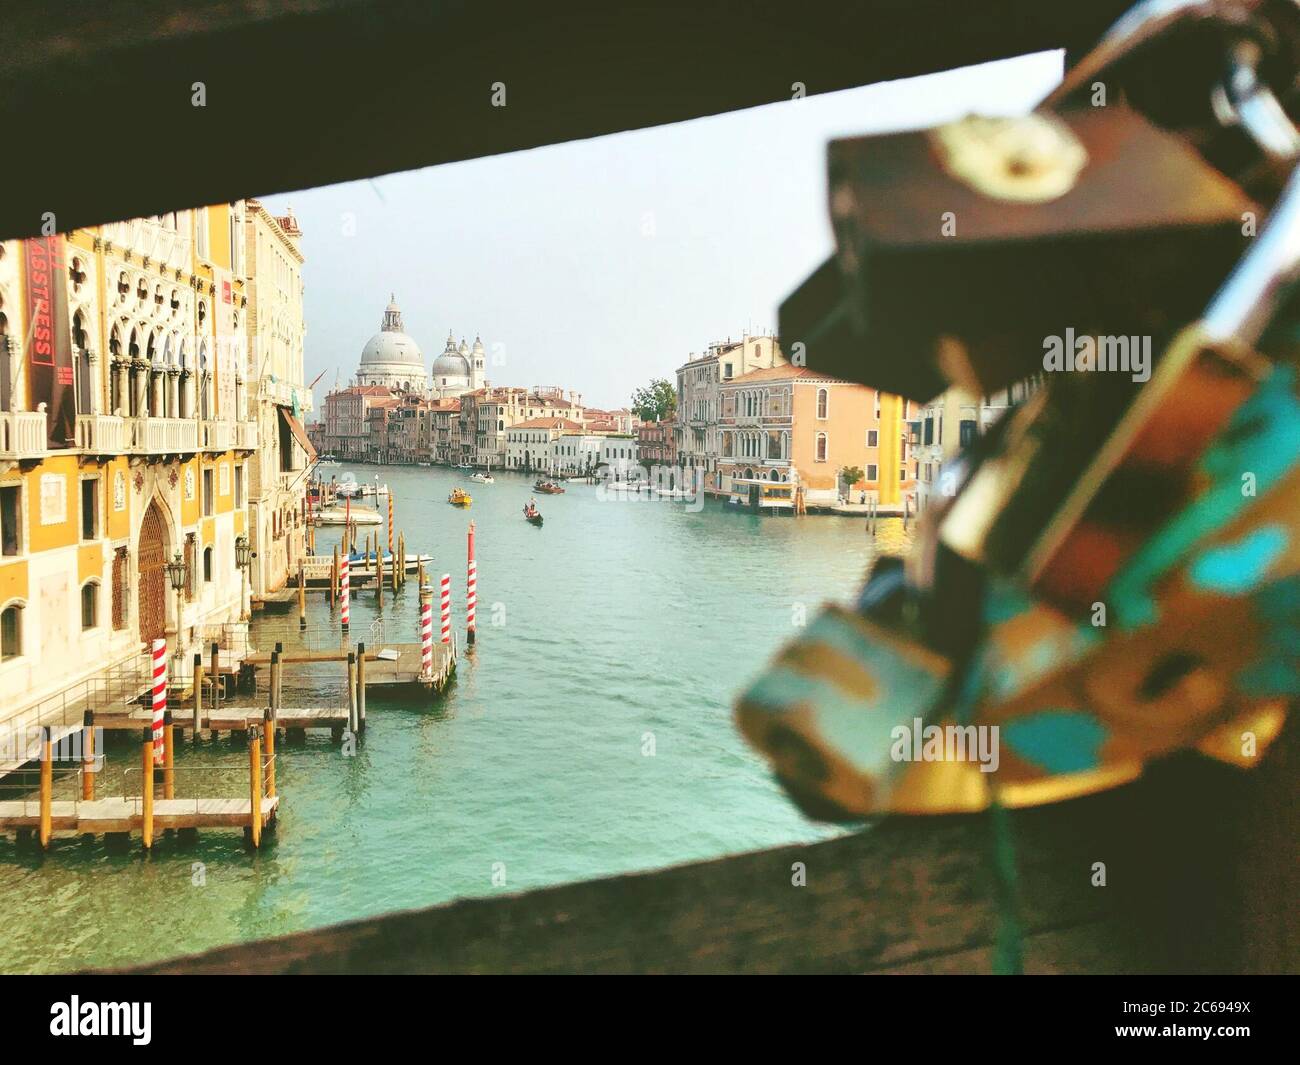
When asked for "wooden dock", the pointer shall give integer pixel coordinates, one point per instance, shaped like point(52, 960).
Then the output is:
point(146, 813)
point(126, 814)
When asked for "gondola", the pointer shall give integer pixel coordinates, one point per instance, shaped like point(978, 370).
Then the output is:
point(534, 519)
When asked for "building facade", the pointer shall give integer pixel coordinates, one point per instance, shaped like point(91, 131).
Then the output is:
point(530, 444)
point(699, 400)
point(791, 425)
point(125, 442)
point(280, 399)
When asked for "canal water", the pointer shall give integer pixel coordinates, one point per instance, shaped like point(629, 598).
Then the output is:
point(589, 733)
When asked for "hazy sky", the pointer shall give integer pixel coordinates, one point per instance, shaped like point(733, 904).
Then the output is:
point(598, 264)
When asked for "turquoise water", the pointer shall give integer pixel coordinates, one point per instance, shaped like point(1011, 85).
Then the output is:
point(617, 624)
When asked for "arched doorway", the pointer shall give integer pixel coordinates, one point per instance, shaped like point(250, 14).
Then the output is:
point(151, 586)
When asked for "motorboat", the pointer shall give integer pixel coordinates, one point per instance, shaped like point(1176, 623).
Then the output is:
point(336, 515)
point(549, 488)
point(460, 498)
point(482, 478)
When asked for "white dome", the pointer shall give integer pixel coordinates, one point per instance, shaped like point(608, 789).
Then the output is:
point(451, 363)
point(393, 348)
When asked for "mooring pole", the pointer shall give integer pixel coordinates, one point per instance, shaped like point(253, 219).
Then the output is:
point(302, 594)
point(361, 687)
point(47, 787)
point(146, 789)
point(88, 755)
point(471, 591)
point(379, 573)
point(198, 697)
point(169, 756)
point(255, 785)
point(353, 727)
point(216, 679)
point(268, 728)
point(334, 578)
point(273, 695)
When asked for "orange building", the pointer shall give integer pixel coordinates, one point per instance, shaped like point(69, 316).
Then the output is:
point(790, 427)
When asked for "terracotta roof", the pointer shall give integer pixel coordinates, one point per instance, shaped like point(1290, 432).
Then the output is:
point(546, 423)
point(782, 373)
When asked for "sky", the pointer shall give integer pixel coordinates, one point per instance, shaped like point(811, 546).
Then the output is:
point(597, 265)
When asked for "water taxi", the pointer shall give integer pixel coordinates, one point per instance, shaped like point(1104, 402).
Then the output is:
point(460, 498)
point(550, 488)
point(482, 478)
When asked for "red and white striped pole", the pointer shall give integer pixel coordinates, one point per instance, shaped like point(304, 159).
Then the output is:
point(426, 634)
point(345, 589)
point(446, 608)
point(390, 524)
point(471, 591)
point(159, 697)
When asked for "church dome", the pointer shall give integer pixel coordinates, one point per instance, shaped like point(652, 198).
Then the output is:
point(391, 359)
point(391, 346)
point(451, 363)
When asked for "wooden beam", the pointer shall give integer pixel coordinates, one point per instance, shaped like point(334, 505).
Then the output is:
point(1200, 866)
point(345, 84)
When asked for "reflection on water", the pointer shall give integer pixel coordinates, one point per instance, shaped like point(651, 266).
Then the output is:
point(589, 733)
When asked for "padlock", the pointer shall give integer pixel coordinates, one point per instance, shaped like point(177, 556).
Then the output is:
point(959, 249)
point(1123, 561)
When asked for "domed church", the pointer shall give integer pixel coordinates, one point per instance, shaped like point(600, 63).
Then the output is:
point(392, 359)
point(458, 369)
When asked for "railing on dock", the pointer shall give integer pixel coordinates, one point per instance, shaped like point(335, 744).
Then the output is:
point(142, 809)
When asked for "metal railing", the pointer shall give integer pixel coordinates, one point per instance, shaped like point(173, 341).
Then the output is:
point(114, 688)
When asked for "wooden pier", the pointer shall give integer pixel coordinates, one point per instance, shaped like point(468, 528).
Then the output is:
point(146, 813)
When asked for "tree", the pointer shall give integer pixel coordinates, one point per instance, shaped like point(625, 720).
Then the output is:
point(656, 401)
point(851, 475)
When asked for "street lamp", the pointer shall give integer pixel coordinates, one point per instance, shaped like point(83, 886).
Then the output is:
point(243, 557)
point(176, 574)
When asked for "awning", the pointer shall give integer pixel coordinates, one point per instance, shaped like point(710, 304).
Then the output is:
point(299, 433)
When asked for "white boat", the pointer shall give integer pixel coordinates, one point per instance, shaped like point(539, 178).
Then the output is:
point(462, 466)
point(340, 515)
point(327, 460)
point(482, 478)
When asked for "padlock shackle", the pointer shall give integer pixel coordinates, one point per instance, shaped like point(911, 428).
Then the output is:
point(1139, 25)
point(1249, 299)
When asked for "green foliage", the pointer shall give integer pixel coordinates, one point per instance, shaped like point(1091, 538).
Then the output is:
point(656, 401)
point(851, 475)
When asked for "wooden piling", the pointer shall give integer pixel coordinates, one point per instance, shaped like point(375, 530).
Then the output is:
point(352, 693)
point(419, 575)
point(216, 678)
point(379, 574)
point(88, 756)
point(399, 564)
point(334, 578)
point(146, 789)
point(198, 697)
point(273, 694)
point(255, 785)
point(361, 687)
point(169, 756)
point(302, 594)
point(47, 787)
point(268, 728)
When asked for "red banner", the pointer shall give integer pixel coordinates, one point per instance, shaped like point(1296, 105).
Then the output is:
point(49, 358)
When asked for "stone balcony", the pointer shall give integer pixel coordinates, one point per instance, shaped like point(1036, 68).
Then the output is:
point(101, 434)
point(22, 434)
point(161, 436)
point(217, 436)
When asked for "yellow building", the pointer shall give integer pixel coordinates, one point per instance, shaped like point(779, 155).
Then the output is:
point(124, 446)
point(279, 398)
